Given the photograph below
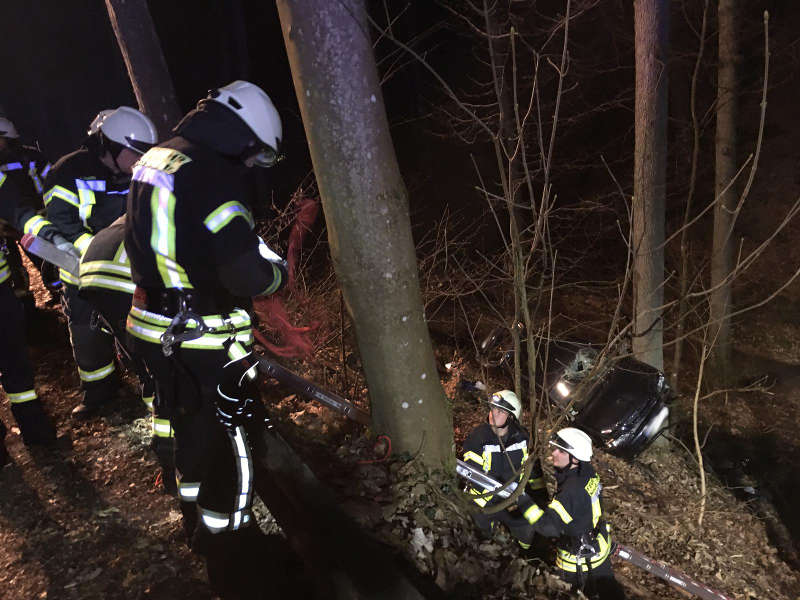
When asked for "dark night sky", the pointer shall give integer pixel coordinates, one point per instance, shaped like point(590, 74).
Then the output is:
point(61, 64)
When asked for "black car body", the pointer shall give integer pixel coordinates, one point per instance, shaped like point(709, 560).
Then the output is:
point(621, 404)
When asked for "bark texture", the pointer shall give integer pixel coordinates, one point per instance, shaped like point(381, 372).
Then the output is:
point(147, 69)
point(366, 211)
point(722, 250)
point(651, 24)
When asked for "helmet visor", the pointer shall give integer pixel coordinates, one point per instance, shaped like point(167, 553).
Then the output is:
point(500, 402)
point(267, 157)
point(561, 444)
point(138, 145)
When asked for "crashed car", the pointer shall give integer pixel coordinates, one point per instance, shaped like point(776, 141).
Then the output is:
point(621, 404)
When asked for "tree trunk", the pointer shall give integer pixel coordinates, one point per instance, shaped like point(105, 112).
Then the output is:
point(147, 69)
point(366, 211)
point(725, 170)
point(651, 23)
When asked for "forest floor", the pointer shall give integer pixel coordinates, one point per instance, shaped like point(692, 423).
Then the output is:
point(88, 520)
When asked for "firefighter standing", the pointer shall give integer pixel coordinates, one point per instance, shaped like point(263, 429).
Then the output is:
point(194, 256)
point(86, 192)
point(27, 167)
point(18, 209)
point(575, 517)
point(105, 283)
point(500, 448)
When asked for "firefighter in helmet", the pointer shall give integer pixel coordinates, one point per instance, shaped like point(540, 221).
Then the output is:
point(86, 191)
point(105, 283)
point(499, 448)
point(19, 201)
point(27, 167)
point(575, 517)
point(196, 260)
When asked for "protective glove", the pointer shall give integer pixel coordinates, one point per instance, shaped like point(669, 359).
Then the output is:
point(60, 242)
point(268, 254)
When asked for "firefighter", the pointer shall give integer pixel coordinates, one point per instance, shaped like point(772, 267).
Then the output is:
point(18, 210)
point(105, 283)
point(86, 192)
point(500, 448)
point(27, 167)
point(575, 517)
point(196, 259)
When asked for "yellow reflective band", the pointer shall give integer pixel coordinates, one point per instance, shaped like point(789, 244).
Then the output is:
point(59, 191)
point(83, 241)
point(5, 271)
point(188, 491)
point(121, 257)
point(217, 522)
point(470, 455)
point(19, 397)
point(277, 277)
point(225, 213)
point(68, 277)
point(150, 327)
point(560, 510)
point(162, 239)
point(98, 266)
point(537, 483)
point(533, 514)
point(148, 402)
point(97, 374)
point(236, 352)
point(35, 224)
point(162, 159)
point(3, 178)
point(162, 428)
point(569, 562)
point(479, 501)
point(108, 283)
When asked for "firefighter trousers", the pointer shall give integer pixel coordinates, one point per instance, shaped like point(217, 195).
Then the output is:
point(213, 462)
point(16, 372)
point(597, 584)
point(114, 307)
point(93, 350)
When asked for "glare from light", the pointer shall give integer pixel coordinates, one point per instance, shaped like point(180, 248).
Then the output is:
point(657, 422)
point(562, 389)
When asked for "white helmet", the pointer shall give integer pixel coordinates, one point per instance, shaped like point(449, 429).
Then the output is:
point(95, 124)
point(573, 441)
point(7, 129)
point(130, 128)
point(253, 106)
point(508, 401)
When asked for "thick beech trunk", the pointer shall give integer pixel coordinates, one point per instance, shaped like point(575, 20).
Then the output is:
point(651, 23)
point(147, 69)
point(366, 211)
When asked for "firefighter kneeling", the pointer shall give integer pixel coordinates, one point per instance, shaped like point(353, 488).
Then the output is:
point(575, 517)
point(500, 448)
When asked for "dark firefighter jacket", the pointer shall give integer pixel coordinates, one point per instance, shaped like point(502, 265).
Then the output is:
point(188, 230)
point(188, 226)
point(575, 516)
point(105, 263)
point(82, 197)
point(22, 169)
point(484, 450)
point(21, 173)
